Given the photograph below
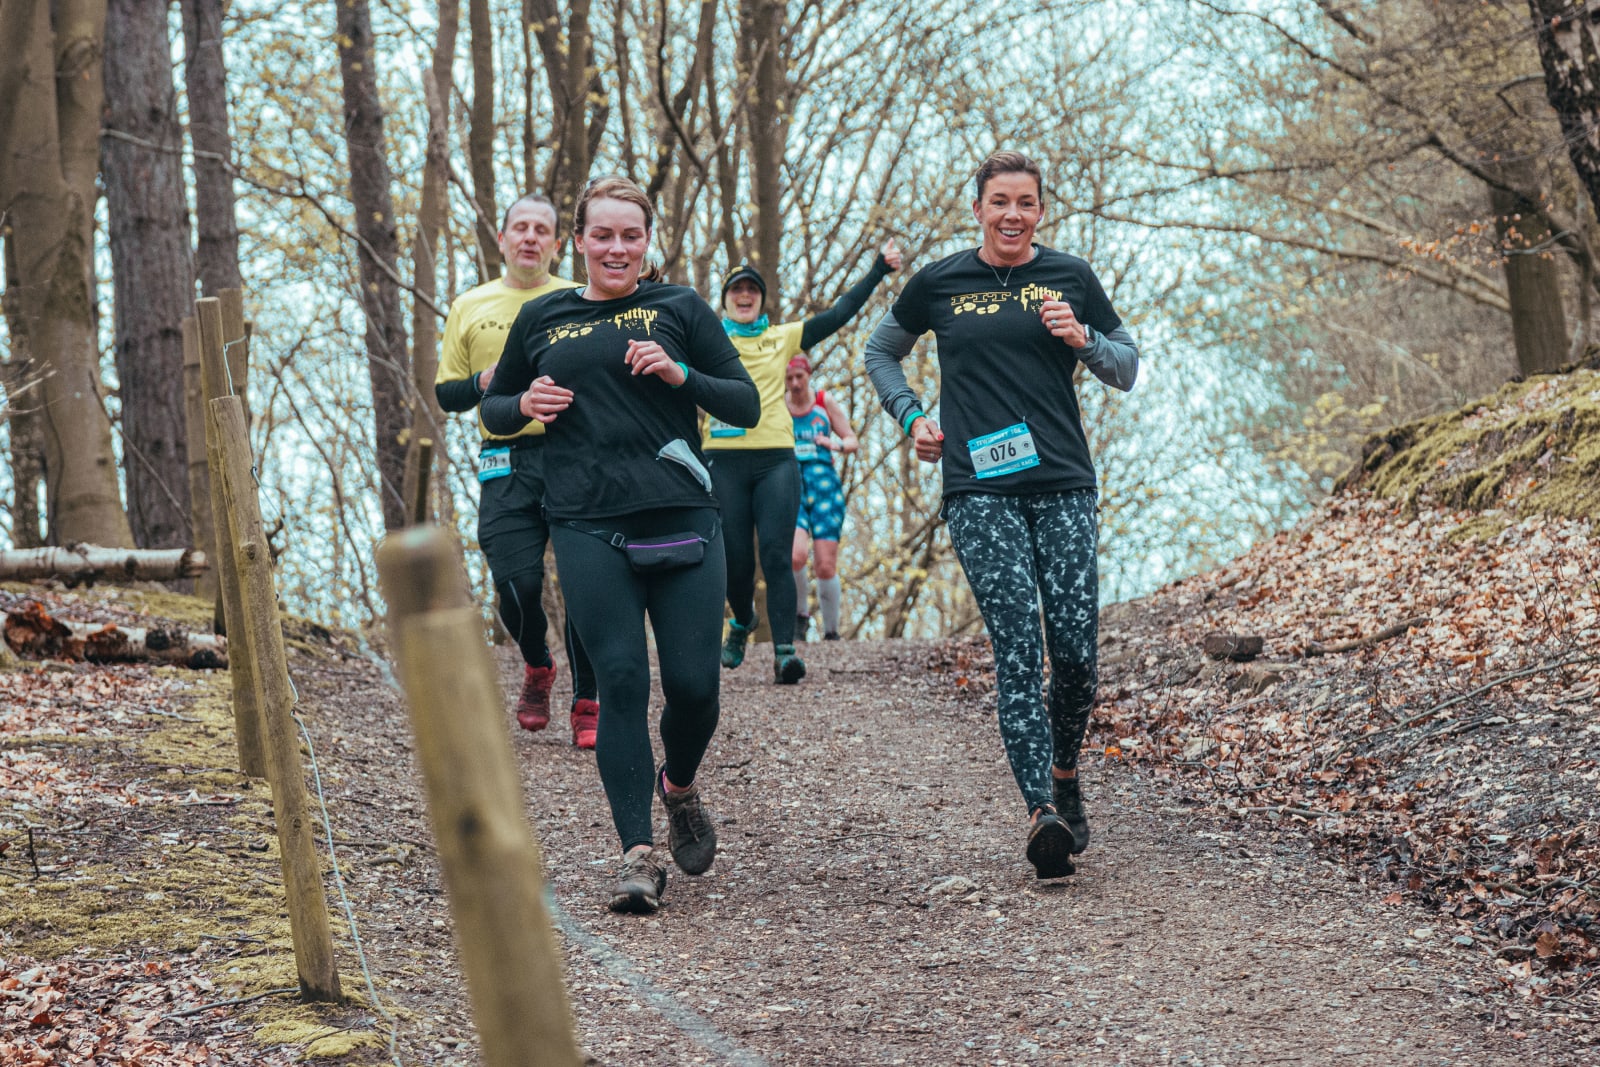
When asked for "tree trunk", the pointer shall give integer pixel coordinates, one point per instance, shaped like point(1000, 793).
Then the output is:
point(31, 631)
point(88, 564)
point(49, 159)
point(428, 420)
point(206, 78)
point(570, 68)
point(387, 357)
point(761, 45)
point(1569, 48)
point(1533, 283)
point(152, 273)
point(480, 136)
point(19, 376)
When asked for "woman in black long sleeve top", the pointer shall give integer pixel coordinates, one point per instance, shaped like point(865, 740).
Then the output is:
point(615, 371)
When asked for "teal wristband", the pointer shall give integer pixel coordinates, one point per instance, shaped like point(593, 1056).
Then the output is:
point(685, 381)
point(916, 414)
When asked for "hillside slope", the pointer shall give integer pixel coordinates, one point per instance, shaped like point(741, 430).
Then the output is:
point(1424, 705)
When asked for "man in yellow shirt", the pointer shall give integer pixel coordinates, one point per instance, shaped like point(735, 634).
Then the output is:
point(511, 526)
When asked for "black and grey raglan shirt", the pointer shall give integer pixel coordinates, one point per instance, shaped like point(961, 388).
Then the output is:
point(619, 447)
point(1007, 405)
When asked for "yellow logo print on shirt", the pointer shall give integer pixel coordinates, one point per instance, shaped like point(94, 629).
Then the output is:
point(571, 329)
point(1034, 296)
point(979, 303)
point(638, 316)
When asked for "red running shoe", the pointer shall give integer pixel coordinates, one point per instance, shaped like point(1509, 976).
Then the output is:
point(533, 706)
point(585, 722)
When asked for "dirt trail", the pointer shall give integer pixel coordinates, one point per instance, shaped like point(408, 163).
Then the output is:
point(870, 903)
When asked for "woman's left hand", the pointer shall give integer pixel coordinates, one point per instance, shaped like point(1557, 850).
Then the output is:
point(1061, 322)
point(648, 357)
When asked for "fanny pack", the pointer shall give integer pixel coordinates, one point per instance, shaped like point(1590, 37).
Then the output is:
point(646, 555)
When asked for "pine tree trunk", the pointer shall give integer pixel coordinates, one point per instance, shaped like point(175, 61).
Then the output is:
point(387, 356)
point(152, 272)
point(217, 252)
point(49, 160)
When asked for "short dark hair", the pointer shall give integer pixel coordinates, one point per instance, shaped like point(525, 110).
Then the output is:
point(532, 198)
point(1008, 163)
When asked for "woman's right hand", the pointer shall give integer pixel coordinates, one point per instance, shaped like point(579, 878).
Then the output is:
point(544, 400)
point(927, 439)
point(891, 254)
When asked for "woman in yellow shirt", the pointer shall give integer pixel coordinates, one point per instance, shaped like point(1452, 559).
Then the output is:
point(754, 473)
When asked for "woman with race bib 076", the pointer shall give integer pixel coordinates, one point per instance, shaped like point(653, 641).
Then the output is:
point(1013, 320)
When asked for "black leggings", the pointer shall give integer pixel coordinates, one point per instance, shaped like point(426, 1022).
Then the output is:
point(1020, 553)
point(608, 604)
point(522, 612)
point(759, 490)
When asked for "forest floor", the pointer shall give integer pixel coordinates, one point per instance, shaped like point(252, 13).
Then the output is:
point(1345, 797)
point(870, 903)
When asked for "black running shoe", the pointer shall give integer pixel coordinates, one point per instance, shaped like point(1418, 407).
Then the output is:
point(1050, 846)
point(640, 883)
point(802, 628)
point(787, 668)
point(690, 835)
point(1069, 805)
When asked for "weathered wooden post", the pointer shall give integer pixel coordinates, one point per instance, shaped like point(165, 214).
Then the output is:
point(492, 868)
point(241, 662)
point(419, 506)
point(208, 585)
point(236, 346)
point(262, 630)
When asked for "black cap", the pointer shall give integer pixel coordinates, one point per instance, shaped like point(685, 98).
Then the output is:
point(743, 272)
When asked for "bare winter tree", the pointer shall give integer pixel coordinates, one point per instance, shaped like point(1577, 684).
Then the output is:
point(481, 134)
point(217, 250)
point(152, 271)
point(51, 94)
point(1569, 50)
point(387, 355)
point(428, 418)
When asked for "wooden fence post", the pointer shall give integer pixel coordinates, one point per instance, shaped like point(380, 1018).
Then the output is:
point(492, 867)
point(202, 530)
point(419, 506)
point(262, 630)
point(236, 347)
point(241, 661)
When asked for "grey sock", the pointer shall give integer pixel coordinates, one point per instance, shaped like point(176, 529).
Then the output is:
point(802, 591)
point(828, 596)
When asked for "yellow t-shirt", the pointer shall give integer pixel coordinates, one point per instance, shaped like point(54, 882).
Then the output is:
point(766, 359)
point(475, 334)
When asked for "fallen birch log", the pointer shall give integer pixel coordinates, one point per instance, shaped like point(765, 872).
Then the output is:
point(32, 632)
point(87, 564)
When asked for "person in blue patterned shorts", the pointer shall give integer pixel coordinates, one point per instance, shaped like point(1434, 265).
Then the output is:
point(821, 428)
point(1013, 321)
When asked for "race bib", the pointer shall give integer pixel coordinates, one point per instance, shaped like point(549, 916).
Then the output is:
point(494, 463)
point(1003, 452)
point(805, 450)
point(722, 429)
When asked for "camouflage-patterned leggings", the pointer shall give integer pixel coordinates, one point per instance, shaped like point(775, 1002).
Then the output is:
point(1017, 552)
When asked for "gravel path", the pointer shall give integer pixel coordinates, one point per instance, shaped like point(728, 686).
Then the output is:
point(870, 903)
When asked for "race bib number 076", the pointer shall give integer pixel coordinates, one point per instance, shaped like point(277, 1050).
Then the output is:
point(1003, 452)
